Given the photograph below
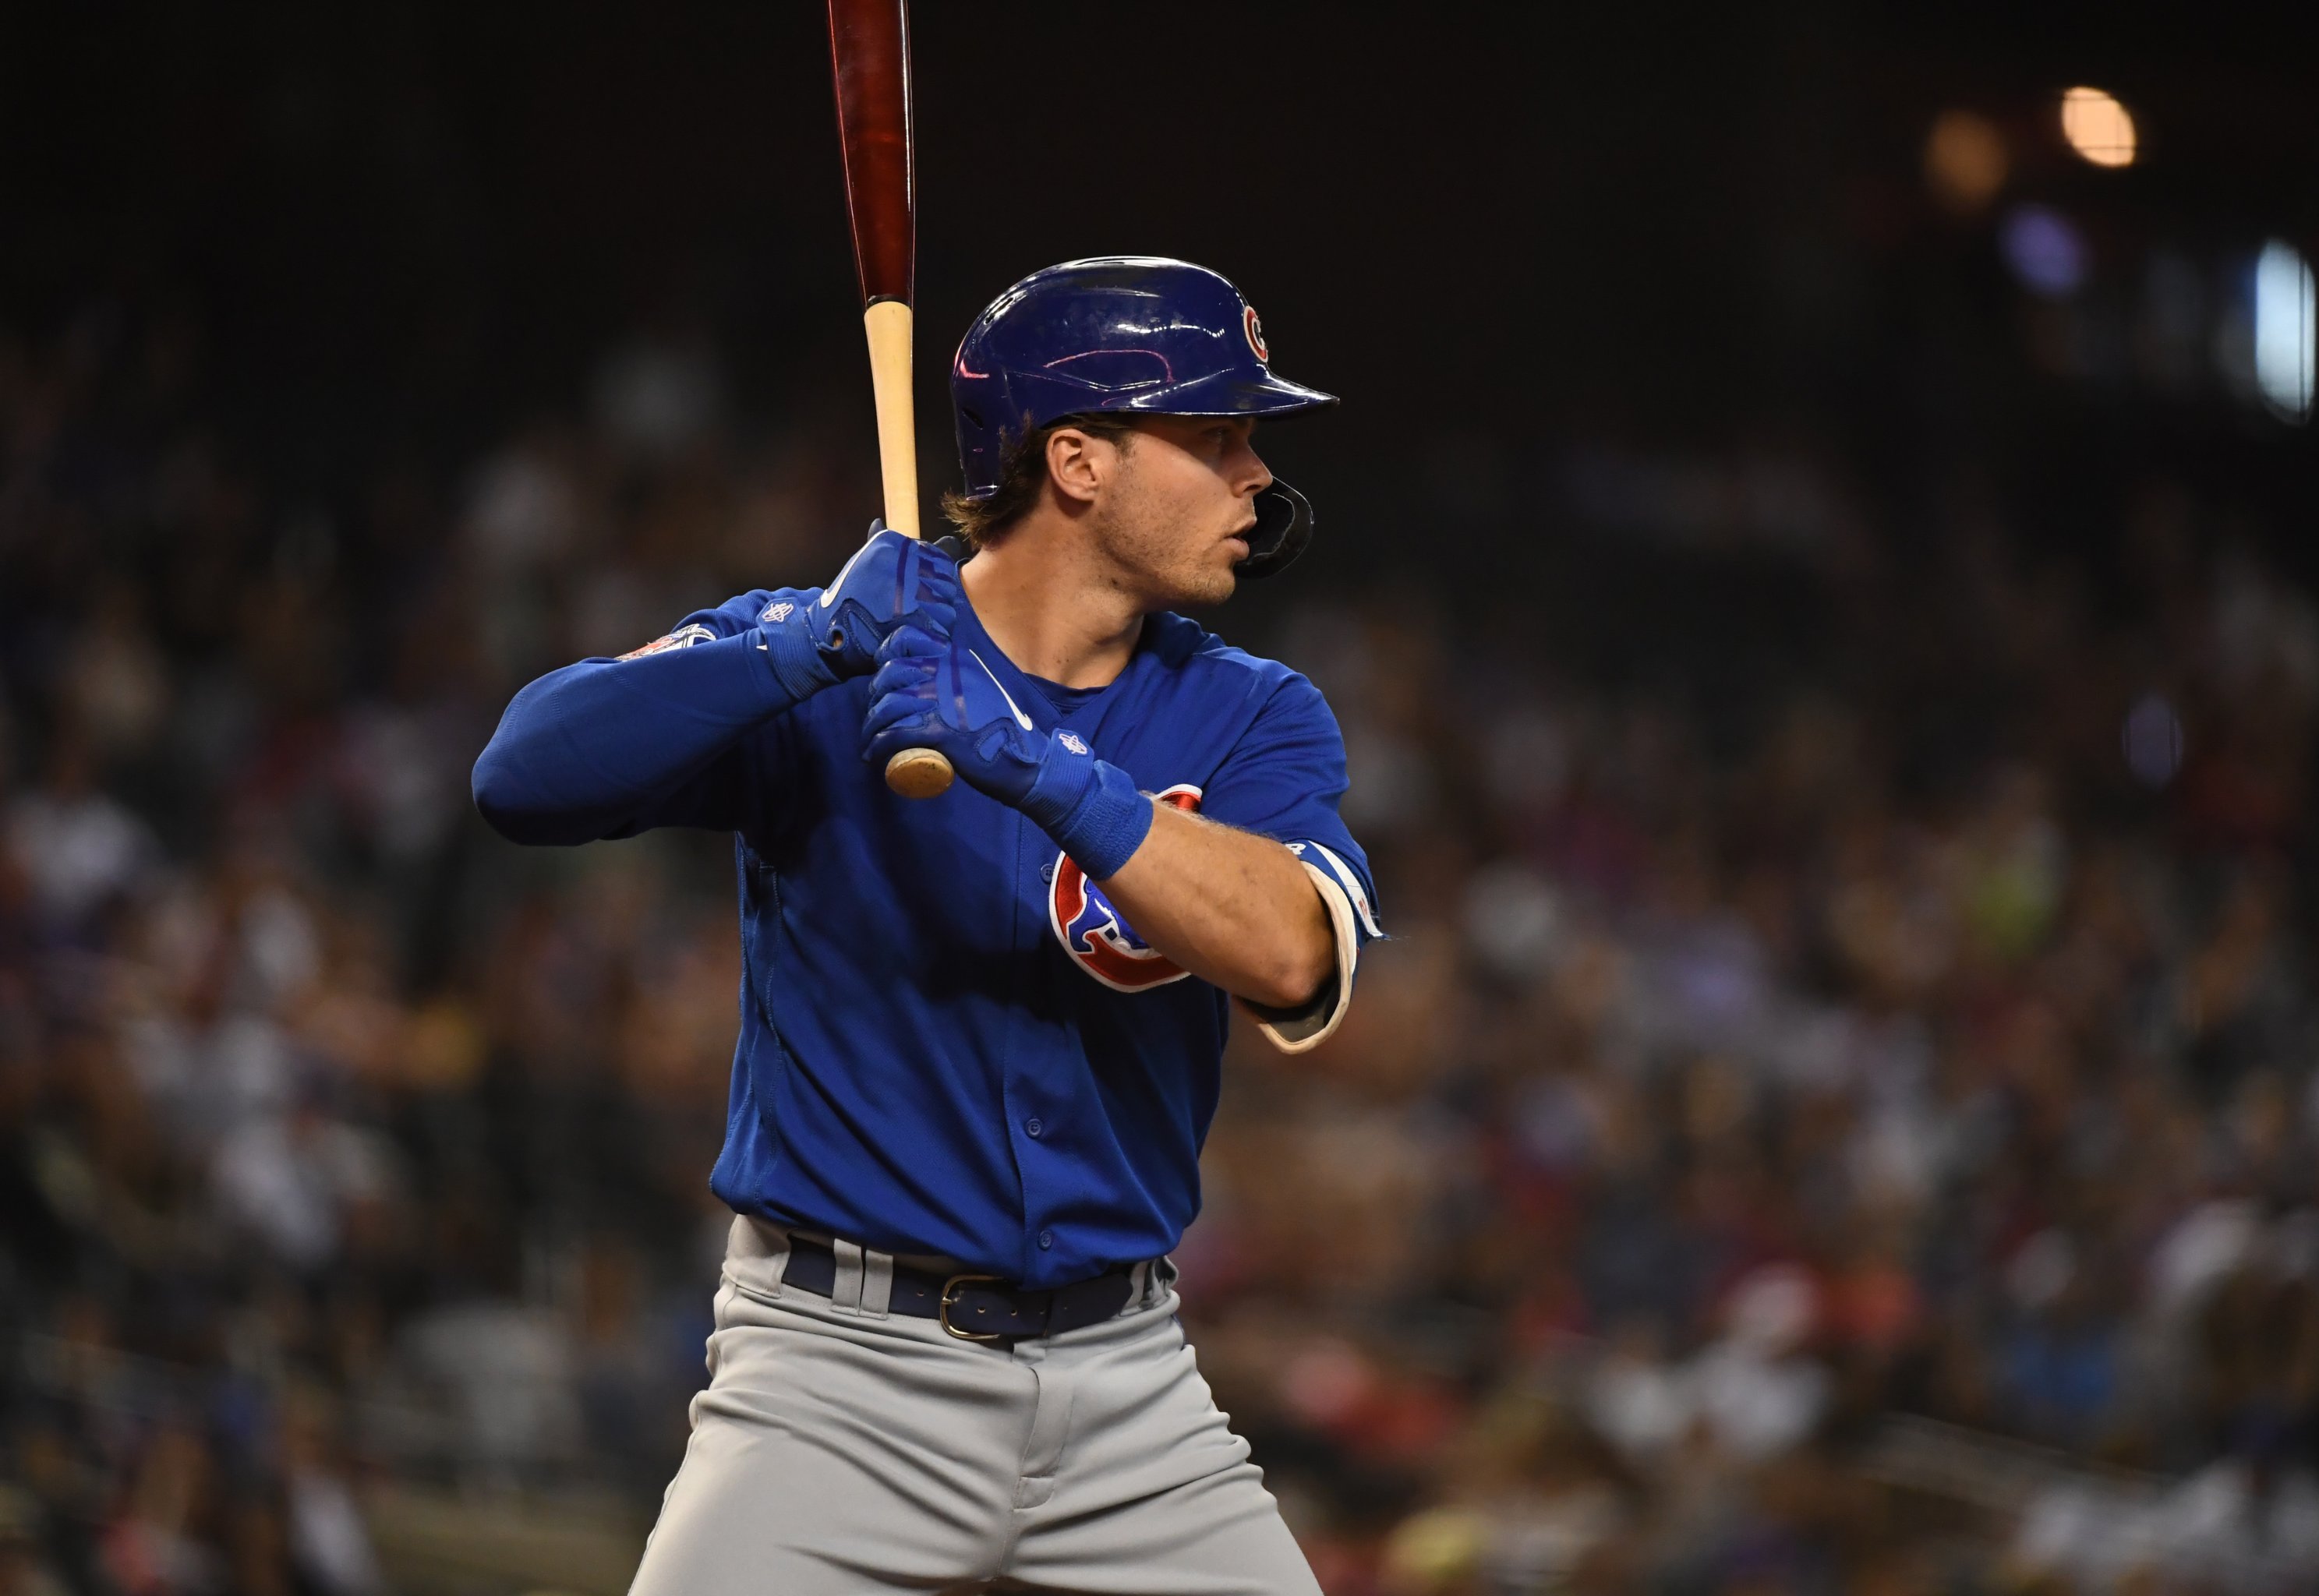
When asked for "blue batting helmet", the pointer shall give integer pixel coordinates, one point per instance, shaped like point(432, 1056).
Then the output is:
point(1132, 334)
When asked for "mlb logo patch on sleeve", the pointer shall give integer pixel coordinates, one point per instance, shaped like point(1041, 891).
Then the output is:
point(683, 637)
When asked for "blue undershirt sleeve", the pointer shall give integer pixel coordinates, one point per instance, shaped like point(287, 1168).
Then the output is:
point(609, 748)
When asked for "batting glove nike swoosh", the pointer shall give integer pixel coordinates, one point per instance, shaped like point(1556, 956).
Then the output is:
point(816, 637)
point(938, 693)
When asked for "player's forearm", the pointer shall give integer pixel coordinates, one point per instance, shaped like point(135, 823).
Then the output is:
point(1235, 910)
point(581, 752)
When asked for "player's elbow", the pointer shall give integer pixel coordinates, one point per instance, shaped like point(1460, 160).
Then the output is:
point(1294, 976)
point(511, 804)
point(498, 795)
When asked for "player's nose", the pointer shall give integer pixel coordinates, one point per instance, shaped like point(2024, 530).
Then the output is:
point(1255, 476)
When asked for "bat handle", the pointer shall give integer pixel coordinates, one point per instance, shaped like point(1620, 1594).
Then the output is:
point(914, 772)
point(888, 324)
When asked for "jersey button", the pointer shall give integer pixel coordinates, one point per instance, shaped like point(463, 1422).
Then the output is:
point(1046, 1239)
point(1033, 1127)
point(1047, 872)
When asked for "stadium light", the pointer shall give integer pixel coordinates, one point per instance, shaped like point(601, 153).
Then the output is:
point(2098, 127)
point(1965, 160)
point(2283, 328)
point(2045, 251)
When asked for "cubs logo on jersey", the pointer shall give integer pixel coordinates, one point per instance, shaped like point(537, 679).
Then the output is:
point(1096, 935)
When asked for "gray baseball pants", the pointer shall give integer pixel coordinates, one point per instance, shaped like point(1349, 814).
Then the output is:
point(839, 1449)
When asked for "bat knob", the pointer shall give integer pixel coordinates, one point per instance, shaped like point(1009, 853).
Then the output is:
point(918, 773)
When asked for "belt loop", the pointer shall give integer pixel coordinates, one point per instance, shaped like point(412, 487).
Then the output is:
point(757, 1241)
point(1139, 1284)
point(877, 1283)
point(845, 1291)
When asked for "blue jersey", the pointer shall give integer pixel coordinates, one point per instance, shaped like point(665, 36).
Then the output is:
point(950, 1042)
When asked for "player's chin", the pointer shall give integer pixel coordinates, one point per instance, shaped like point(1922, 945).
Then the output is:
point(1218, 581)
point(1209, 577)
point(1201, 593)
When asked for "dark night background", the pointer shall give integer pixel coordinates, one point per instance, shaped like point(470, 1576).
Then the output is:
point(1831, 710)
point(405, 224)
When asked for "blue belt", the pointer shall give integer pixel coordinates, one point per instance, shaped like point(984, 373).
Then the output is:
point(974, 1307)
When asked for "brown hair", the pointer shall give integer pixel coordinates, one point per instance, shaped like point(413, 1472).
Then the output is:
point(1021, 473)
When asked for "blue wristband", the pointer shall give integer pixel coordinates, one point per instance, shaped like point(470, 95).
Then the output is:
point(797, 663)
point(1092, 810)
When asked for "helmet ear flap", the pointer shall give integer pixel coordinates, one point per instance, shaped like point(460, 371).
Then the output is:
point(1283, 526)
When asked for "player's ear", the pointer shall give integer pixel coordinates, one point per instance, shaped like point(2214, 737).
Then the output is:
point(1072, 465)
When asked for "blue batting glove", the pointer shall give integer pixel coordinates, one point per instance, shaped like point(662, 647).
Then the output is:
point(816, 637)
point(938, 693)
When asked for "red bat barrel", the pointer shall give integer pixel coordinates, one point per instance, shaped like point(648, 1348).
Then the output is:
point(870, 52)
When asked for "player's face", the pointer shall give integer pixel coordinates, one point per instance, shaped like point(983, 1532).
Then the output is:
point(1177, 510)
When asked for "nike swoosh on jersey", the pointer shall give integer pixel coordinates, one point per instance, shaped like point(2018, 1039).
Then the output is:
point(986, 670)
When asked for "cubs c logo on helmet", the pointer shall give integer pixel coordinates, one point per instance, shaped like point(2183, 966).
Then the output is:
point(1249, 325)
point(1096, 935)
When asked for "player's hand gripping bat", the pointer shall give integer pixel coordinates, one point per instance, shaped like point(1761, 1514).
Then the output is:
point(870, 52)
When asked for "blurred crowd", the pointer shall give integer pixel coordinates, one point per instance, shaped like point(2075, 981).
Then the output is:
point(1873, 1155)
point(1854, 1135)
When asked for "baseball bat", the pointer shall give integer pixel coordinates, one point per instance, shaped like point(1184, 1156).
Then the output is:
point(869, 55)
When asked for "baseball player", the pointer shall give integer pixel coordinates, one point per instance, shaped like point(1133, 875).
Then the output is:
point(981, 1034)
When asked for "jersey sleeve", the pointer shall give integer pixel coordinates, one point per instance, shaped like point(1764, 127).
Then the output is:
point(612, 747)
point(1284, 779)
